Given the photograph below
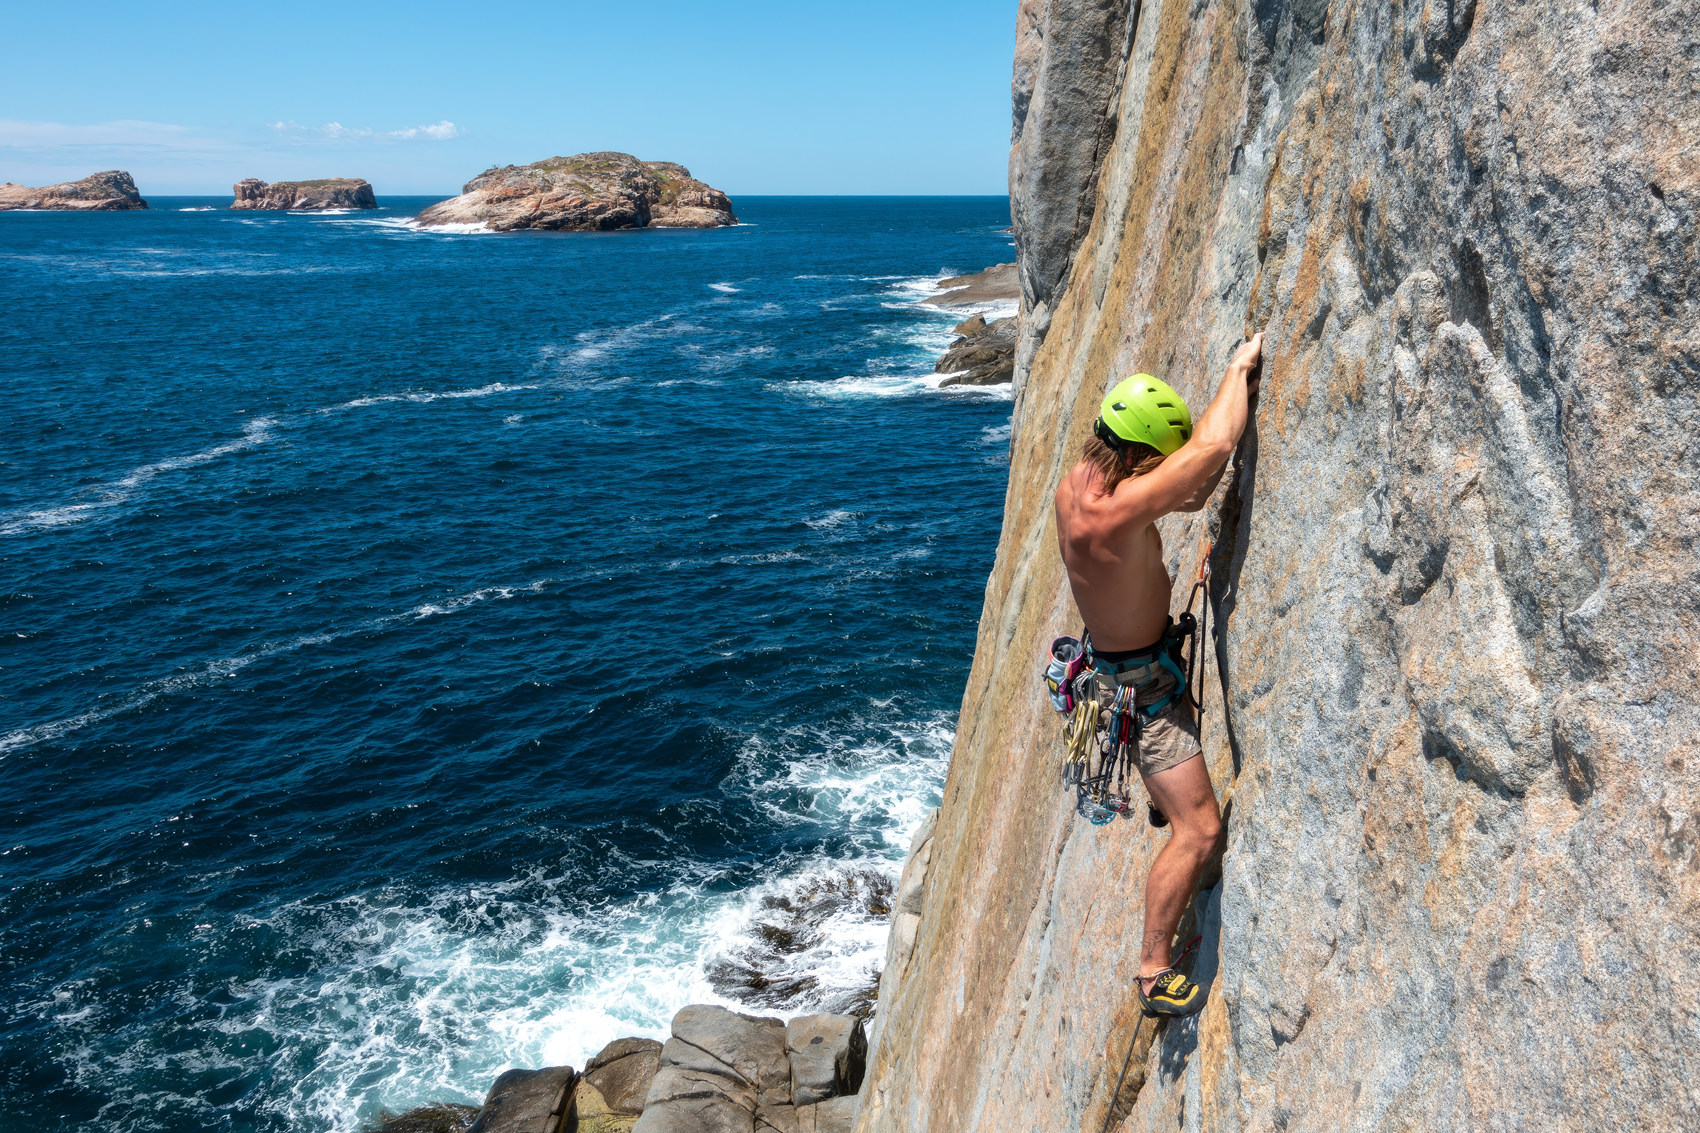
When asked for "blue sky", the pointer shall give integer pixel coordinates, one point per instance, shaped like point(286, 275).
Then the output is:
point(854, 96)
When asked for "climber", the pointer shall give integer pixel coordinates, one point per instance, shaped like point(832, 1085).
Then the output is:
point(1144, 460)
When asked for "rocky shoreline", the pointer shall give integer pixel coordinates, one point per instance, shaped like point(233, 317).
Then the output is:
point(111, 191)
point(587, 192)
point(304, 196)
point(718, 1072)
point(984, 352)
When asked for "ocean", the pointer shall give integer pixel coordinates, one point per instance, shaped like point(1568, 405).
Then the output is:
point(429, 653)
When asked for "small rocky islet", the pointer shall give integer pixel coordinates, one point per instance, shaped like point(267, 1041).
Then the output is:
point(304, 196)
point(587, 192)
point(111, 191)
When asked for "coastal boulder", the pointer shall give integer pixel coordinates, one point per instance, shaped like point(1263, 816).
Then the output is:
point(984, 356)
point(586, 192)
point(98, 192)
point(611, 1093)
point(527, 1101)
point(304, 196)
point(828, 1055)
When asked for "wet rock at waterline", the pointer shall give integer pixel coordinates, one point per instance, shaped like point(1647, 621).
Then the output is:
point(984, 355)
point(996, 284)
point(587, 192)
point(787, 927)
point(111, 191)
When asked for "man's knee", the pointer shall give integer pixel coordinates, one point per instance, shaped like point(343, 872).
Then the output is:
point(1203, 835)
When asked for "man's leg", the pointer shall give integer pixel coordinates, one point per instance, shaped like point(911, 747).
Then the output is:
point(1182, 792)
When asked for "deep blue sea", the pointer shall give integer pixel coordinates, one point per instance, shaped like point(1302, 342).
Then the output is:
point(430, 653)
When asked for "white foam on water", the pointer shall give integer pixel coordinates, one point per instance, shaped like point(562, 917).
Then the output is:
point(198, 208)
point(763, 559)
point(107, 496)
point(406, 995)
point(224, 667)
point(515, 975)
point(726, 288)
point(997, 434)
point(425, 397)
point(832, 520)
point(486, 594)
point(859, 386)
point(411, 224)
point(145, 695)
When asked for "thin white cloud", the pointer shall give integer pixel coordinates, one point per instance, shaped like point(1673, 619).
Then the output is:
point(336, 131)
point(16, 132)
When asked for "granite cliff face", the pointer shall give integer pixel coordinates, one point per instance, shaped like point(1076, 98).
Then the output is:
point(98, 192)
point(304, 196)
point(1451, 713)
point(587, 192)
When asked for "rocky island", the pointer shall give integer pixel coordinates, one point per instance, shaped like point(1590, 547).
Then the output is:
point(588, 192)
point(98, 192)
point(304, 196)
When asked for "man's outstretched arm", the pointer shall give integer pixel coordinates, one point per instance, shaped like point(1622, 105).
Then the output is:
point(1185, 480)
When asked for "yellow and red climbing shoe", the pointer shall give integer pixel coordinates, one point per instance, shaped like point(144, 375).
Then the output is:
point(1172, 996)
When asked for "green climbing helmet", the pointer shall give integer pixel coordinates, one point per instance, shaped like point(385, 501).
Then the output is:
point(1141, 408)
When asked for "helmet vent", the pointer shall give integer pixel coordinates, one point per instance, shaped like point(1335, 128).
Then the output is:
point(1119, 407)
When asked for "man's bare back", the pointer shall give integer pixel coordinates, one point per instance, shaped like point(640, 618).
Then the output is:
point(1109, 540)
point(1114, 556)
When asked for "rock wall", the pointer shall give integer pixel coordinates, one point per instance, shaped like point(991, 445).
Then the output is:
point(1451, 712)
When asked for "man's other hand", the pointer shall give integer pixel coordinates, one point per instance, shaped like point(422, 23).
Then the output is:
point(1246, 358)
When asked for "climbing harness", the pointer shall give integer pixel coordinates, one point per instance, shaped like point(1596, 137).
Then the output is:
point(1101, 740)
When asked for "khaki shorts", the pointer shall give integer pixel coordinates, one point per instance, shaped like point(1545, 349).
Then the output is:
point(1165, 741)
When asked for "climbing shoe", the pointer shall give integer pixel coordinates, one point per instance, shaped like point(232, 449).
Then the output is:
point(1172, 996)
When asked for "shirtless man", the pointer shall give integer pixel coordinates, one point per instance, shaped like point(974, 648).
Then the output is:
point(1144, 461)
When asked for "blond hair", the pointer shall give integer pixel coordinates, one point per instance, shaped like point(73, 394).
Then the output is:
point(1111, 466)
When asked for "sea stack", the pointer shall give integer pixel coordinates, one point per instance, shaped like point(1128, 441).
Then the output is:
point(98, 192)
point(588, 192)
point(304, 196)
